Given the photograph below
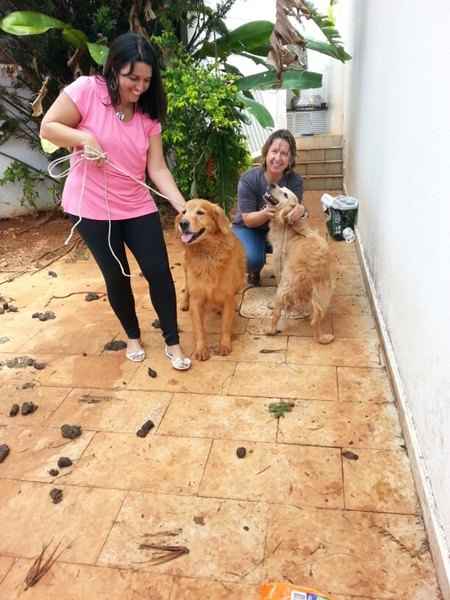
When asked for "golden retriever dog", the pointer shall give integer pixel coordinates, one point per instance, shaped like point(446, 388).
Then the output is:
point(302, 264)
point(214, 266)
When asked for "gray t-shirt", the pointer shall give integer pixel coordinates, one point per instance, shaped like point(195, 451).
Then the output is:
point(252, 187)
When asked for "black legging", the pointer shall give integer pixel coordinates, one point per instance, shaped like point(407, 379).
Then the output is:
point(144, 237)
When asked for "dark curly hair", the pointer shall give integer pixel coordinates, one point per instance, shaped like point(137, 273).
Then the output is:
point(128, 49)
point(280, 134)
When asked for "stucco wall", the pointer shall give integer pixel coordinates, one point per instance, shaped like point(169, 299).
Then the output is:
point(11, 203)
point(396, 125)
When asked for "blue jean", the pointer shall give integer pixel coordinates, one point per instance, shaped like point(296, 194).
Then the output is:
point(255, 246)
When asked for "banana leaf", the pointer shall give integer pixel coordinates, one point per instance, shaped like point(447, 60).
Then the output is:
point(28, 22)
point(98, 52)
point(74, 37)
point(257, 110)
point(326, 26)
point(252, 37)
point(291, 79)
point(329, 49)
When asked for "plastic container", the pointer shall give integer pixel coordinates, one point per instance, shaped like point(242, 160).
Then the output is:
point(342, 213)
point(285, 591)
point(349, 235)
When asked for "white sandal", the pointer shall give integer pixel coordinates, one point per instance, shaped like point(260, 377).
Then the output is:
point(178, 363)
point(136, 355)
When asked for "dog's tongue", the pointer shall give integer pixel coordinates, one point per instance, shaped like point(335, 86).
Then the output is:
point(186, 237)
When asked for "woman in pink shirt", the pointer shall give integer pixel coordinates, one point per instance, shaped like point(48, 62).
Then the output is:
point(118, 116)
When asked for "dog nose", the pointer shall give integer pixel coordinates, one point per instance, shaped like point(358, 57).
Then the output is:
point(184, 225)
point(272, 186)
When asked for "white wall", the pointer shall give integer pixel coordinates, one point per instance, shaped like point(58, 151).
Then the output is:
point(396, 127)
point(11, 203)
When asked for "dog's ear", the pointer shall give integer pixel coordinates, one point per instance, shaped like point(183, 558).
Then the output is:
point(221, 219)
point(177, 221)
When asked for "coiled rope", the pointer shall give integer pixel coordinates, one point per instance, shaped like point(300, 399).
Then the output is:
point(84, 156)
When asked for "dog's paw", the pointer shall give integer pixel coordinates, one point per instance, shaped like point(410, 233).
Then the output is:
point(326, 338)
point(224, 349)
point(273, 332)
point(202, 353)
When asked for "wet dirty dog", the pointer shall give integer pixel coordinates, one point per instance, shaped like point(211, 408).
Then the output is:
point(302, 264)
point(214, 266)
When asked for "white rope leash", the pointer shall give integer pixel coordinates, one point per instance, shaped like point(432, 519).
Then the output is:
point(85, 155)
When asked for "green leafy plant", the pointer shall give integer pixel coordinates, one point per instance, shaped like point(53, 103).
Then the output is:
point(204, 138)
point(279, 409)
point(207, 95)
point(19, 173)
point(208, 38)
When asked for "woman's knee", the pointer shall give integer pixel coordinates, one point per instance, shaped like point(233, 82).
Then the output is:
point(116, 281)
point(157, 272)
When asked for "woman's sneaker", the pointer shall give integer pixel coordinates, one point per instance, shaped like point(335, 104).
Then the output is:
point(254, 279)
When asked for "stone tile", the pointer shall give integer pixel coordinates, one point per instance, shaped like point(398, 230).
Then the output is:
point(82, 520)
point(157, 463)
point(14, 340)
point(364, 385)
point(200, 524)
point(109, 371)
point(66, 338)
point(273, 473)
point(349, 280)
point(353, 553)
point(19, 325)
point(347, 305)
point(203, 376)
point(76, 312)
point(106, 410)
point(345, 254)
point(284, 381)
point(257, 348)
point(47, 398)
point(354, 326)
point(250, 348)
point(341, 352)
point(219, 417)
point(336, 424)
point(5, 565)
point(194, 589)
point(339, 597)
point(34, 451)
point(23, 375)
point(379, 480)
point(298, 327)
point(257, 302)
point(81, 582)
point(213, 322)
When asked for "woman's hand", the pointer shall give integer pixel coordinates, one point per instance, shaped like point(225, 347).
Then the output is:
point(269, 211)
point(296, 214)
point(93, 151)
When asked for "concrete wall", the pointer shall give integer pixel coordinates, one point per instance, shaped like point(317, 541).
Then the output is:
point(396, 123)
point(11, 203)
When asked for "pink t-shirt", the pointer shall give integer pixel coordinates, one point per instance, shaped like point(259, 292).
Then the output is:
point(126, 145)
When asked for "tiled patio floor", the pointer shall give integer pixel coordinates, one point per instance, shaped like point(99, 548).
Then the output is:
point(323, 498)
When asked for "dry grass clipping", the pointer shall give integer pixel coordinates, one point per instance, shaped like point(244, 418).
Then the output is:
point(40, 567)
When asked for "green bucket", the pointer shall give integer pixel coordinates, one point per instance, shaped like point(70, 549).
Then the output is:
point(339, 219)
